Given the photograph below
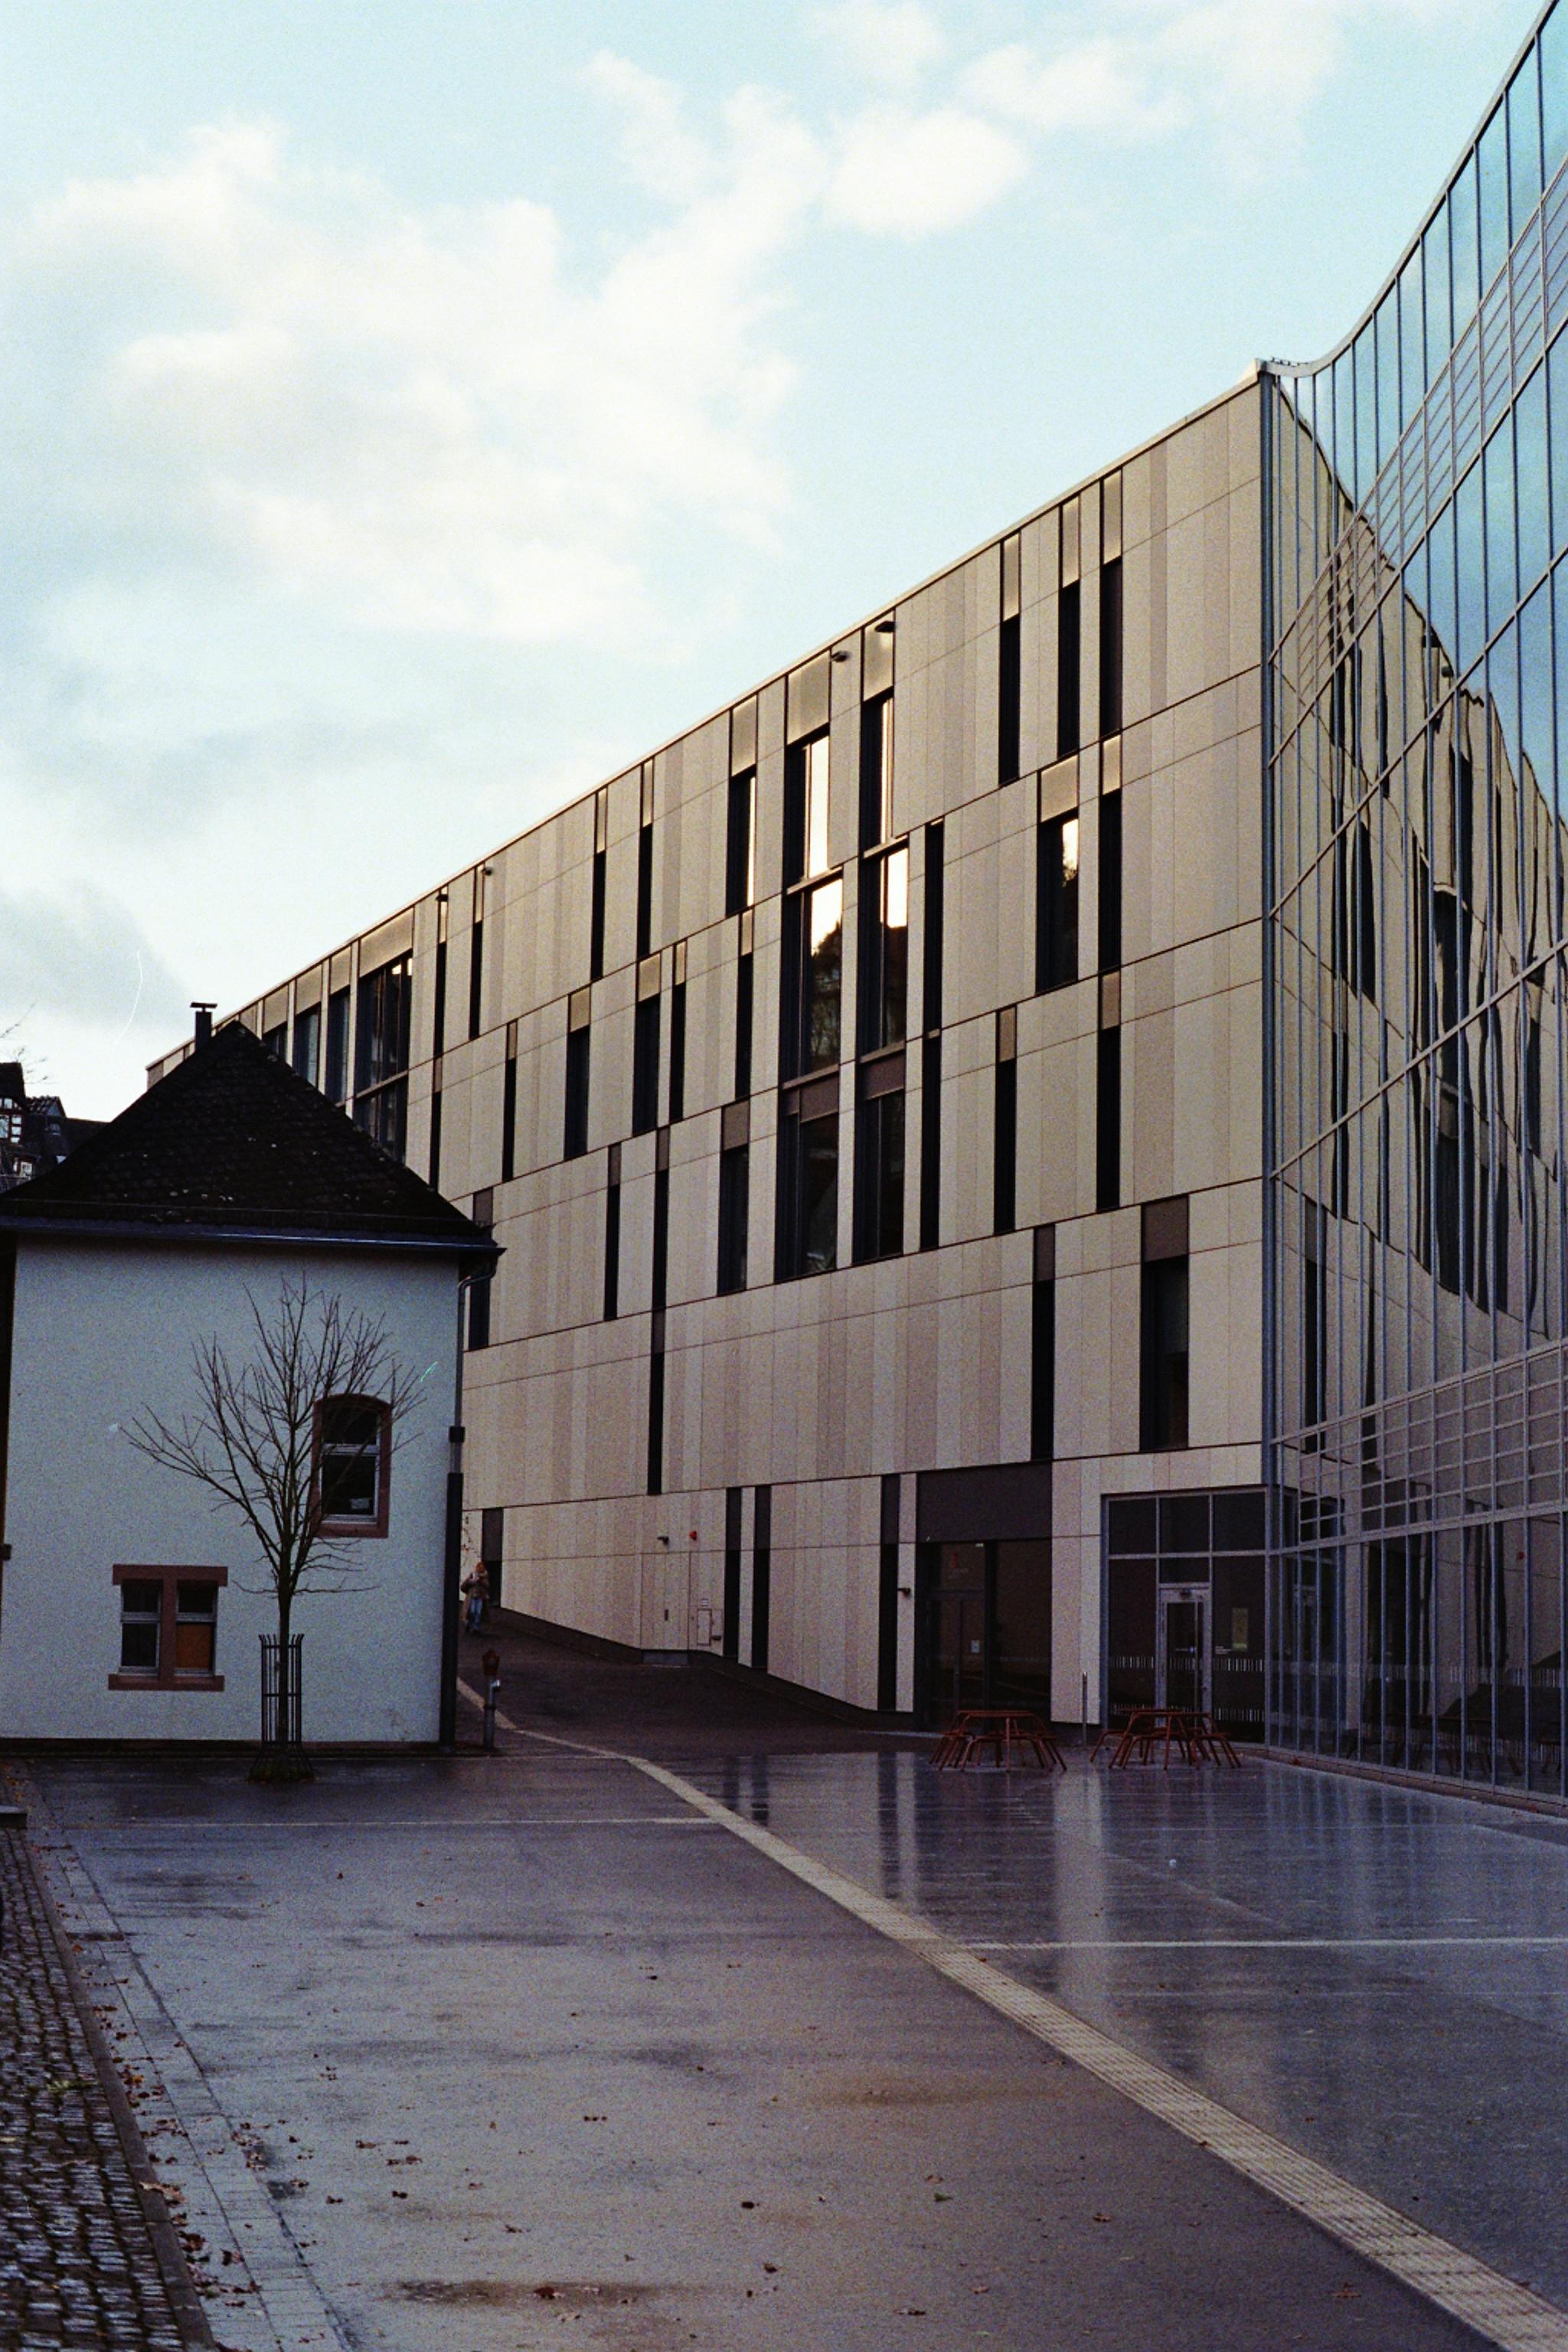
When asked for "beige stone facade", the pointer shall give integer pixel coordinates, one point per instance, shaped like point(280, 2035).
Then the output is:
point(822, 1387)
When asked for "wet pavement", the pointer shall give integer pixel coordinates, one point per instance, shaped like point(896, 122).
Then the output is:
point(492, 2054)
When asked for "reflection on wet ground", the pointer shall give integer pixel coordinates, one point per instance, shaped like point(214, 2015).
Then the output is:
point(1378, 1976)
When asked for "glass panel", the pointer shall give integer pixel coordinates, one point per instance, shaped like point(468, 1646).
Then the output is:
point(1412, 363)
point(1554, 46)
point(194, 1648)
point(139, 1648)
point(1021, 1627)
point(1470, 552)
point(1503, 580)
point(1439, 308)
point(1531, 477)
point(1524, 142)
point(819, 1195)
point(196, 1600)
point(1462, 240)
point(816, 806)
point(1493, 164)
point(140, 1600)
point(824, 975)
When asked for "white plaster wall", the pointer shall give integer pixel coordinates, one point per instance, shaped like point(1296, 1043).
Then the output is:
point(103, 1332)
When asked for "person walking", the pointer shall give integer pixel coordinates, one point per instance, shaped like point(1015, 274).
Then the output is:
point(477, 1593)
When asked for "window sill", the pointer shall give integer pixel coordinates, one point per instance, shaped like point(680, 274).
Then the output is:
point(338, 1528)
point(165, 1682)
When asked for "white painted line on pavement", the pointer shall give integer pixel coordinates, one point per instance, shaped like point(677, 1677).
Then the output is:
point(1506, 2313)
point(1267, 1943)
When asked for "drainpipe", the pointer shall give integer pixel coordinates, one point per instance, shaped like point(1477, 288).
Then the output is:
point(452, 1569)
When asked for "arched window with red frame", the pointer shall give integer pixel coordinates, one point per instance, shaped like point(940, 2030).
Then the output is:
point(353, 1459)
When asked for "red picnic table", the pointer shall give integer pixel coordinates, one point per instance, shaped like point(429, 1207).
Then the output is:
point(1195, 1735)
point(1003, 1729)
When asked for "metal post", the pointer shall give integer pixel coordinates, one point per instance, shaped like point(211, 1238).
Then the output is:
point(452, 1566)
point(493, 1694)
point(1084, 1681)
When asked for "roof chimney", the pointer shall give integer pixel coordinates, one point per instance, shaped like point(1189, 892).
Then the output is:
point(204, 1013)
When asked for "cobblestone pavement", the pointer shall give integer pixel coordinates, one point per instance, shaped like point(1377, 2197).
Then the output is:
point(78, 2265)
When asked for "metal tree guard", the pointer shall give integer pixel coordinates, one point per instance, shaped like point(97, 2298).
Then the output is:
point(280, 1693)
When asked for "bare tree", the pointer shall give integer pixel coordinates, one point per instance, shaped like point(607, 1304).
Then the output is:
point(254, 1437)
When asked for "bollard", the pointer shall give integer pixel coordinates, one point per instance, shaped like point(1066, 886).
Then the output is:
point(491, 1663)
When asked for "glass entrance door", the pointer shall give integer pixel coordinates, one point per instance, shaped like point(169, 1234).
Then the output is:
point(961, 1644)
point(1182, 1657)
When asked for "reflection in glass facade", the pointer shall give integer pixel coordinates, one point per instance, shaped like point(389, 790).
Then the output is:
point(1417, 630)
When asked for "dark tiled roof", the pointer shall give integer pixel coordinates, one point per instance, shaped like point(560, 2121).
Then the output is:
point(232, 1141)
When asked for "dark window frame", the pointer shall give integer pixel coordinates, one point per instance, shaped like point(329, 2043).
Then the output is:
point(368, 1524)
point(166, 1675)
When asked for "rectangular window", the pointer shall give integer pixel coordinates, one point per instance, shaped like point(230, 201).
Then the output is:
point(1009, 699)
point(306, 1056)
point(435, 1139)
point(645, 1065)
point(884, 950)
point(935, 910)
point(805, 808)
point(1110, 647)
point(812, 979)
point(338, 1046)
point(1108, 1119)
point(1043, 1347)
point(477, 958)
point(613, 1237)
point(1111, 882)
point(730, 1641)
point(483, 1214)
point(1164, 1355)
point(596, 900)
point(1055, 918)
point(743, 989)
point(508, 1109)
point(655, 1421)
point(888, 1599)
point(168, 1628)
point(880, 1161)
point(739, 843)
point(658, 1284)
point(678, 1039)
point(930, 1143)
point(438, 1001)
point(576, 1125)
point(1010, 666)
point(734, 1215)
point(875, 770)
point(1069, 656)
point(762, 1575)
point(644, 890)
point(1004, 1129)
point(380, 1053)
point(276, 1041)
point(808, 1181)
point(354, 1440)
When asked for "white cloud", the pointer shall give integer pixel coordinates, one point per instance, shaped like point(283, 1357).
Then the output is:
point(1097, 85)
point(893, 42)
point(910, 174)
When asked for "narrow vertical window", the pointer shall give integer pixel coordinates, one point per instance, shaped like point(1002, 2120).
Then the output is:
point(807, 1233)
point(578, 1035)
point(1005, 1124)
point(743, 1011)
point(1163, 1338)
point(477, 955)
point(879, 1159)
point(739, 843)
point(677, 1037)
point(729, 1641)
point(888, 1599)
point(813, 980)
point(1108, 1119)
point(483, 1214)
point(655, 1421)
point(645, 869)
point(306, 1056)
point(1010, 676)
point(1043, 1347)
point(439, 997)
point(338, 1046)
point(276, 1041)
point(734, 1215)
point(884, 950)
point(1069, 657)
point(1056, 913)
point(930, 1143)
point(380, 1053)
point(509, 1107)
point(659, 1278)
point(645, 1050)
point(435, 1137)
point(934, 929)
point(805, 808)
point(597, 903)
point(612, 1299)
point(1110, 647)
point(1111, 882)
point(875, 770)
point(762, 1575)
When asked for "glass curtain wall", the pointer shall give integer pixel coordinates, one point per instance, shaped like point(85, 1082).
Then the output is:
point(1417, 627)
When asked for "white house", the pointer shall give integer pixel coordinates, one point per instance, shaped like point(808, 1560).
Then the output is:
point(130, 1607)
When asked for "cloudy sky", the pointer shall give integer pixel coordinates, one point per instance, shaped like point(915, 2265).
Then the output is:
point(411, 412)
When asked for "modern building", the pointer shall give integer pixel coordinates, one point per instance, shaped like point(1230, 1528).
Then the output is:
point(227, 1209)
point(1029, 1145)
